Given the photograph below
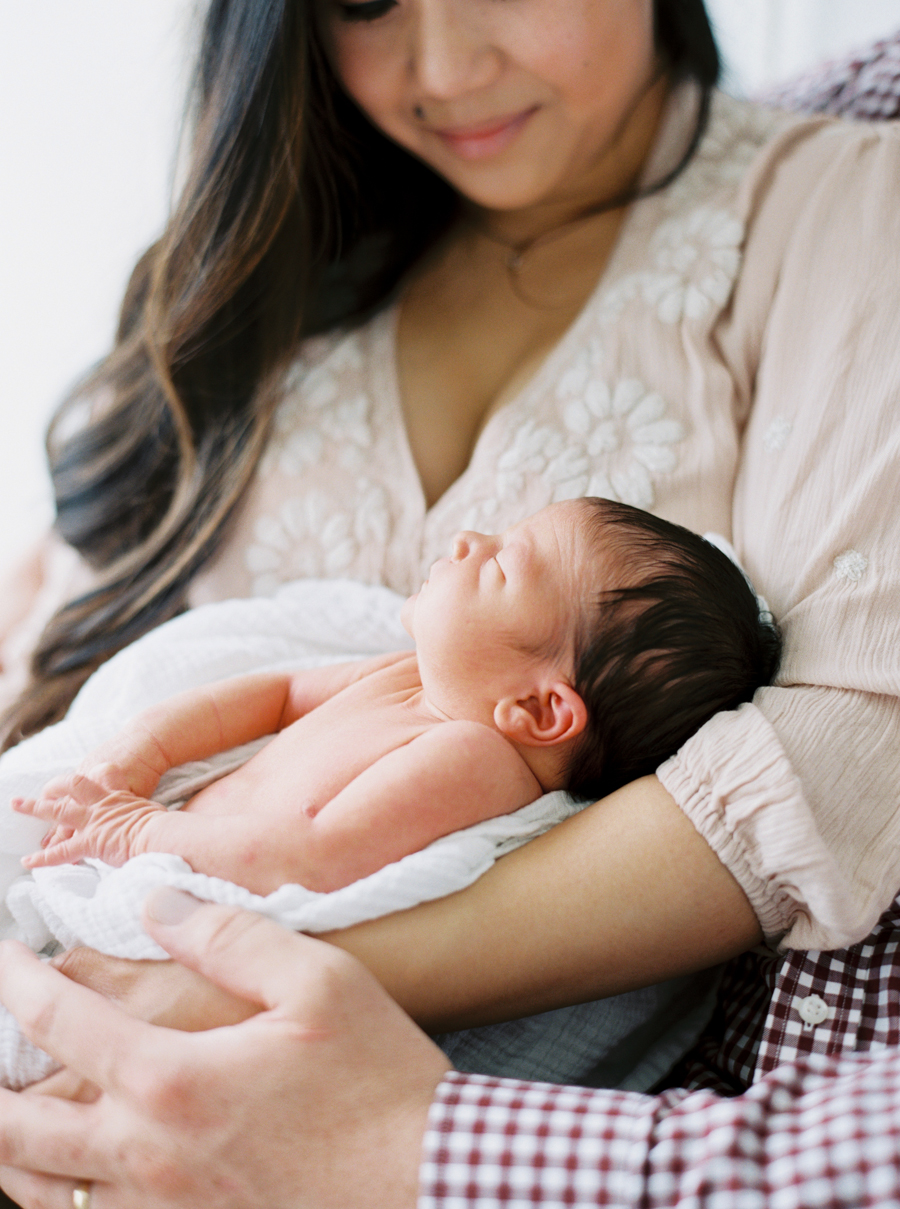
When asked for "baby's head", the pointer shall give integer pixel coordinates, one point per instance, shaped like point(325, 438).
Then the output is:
point(679, 637)
point(597, 637)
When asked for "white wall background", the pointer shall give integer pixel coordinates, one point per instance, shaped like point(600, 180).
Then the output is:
point(90, 101)
point(90, 98)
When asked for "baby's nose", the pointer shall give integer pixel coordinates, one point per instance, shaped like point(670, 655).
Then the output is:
point(460, 547)
point(466, 543)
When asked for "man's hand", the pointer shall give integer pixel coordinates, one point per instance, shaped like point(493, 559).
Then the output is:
point(319, 1100)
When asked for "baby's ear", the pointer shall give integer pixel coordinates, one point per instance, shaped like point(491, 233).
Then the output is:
point(549, 716)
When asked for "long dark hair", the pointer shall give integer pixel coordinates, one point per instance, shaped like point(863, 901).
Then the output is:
point(296, 215)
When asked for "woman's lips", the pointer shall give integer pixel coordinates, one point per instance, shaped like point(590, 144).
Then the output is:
point(484, 139)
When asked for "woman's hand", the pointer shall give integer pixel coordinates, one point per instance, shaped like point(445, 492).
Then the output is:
point(320, 1099)
point(159, 992)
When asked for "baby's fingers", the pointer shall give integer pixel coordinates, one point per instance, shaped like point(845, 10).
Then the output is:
point(57, 787)
point(63, 812)
point(56, 834)
point(65, 852)
point(26, 806)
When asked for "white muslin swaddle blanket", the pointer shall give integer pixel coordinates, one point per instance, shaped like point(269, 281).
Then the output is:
point(628, 1040)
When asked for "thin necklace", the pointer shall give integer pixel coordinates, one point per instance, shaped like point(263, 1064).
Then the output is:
point(518, 249)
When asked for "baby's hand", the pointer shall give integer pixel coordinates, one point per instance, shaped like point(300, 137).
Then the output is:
point(88, 819)
point(131, 760)
point(107, 775)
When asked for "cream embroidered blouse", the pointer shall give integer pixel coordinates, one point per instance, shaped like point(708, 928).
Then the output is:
point(738, 369)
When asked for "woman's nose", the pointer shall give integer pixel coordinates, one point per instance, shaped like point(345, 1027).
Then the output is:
point(451, 54)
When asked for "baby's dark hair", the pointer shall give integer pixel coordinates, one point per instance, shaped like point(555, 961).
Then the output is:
point(656, 658)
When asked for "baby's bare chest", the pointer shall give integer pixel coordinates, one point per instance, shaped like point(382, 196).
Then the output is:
point(312, 760)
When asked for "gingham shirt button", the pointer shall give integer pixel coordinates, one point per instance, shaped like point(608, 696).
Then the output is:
point(813, 1010)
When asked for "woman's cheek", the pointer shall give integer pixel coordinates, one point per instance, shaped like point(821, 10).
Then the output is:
point(371, 71)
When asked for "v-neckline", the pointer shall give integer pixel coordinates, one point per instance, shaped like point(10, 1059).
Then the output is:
point(682, 102)
point(388, 387)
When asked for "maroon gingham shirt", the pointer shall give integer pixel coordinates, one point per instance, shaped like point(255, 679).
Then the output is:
point(815, 1037)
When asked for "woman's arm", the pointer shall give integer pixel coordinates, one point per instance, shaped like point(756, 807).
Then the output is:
point(797, 793)
point(624, 894)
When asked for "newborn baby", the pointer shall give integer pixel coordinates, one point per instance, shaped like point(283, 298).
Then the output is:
point(576, 651)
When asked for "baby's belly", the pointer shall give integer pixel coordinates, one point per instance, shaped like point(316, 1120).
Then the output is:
point(238, 792)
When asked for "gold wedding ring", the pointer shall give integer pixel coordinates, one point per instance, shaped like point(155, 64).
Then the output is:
point(81, 1195)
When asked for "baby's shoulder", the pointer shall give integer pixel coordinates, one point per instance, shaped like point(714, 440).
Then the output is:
point(396, 661)
point(485, 755)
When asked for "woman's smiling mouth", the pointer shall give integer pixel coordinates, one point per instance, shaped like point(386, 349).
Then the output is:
point(484, 139)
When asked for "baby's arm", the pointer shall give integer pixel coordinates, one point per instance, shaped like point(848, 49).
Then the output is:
point(202, 721)
point(450, 777)
point(217, 717)
point(189, 726)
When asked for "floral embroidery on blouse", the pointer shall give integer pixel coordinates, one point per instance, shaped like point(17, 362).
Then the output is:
point(612, 441)
point(313, 533)
point(696, 263)
point(337, 493)
point(313, 411)
point(315, 537)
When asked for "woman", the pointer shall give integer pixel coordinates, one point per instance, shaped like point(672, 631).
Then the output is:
point(710, 375)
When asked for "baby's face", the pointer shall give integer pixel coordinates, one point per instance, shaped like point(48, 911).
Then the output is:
point(500, 603)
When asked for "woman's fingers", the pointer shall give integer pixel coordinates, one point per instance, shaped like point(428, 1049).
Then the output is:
point(161, 992)
point(69, 1021)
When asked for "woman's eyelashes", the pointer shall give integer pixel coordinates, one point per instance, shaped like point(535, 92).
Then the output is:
point(368, 10)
